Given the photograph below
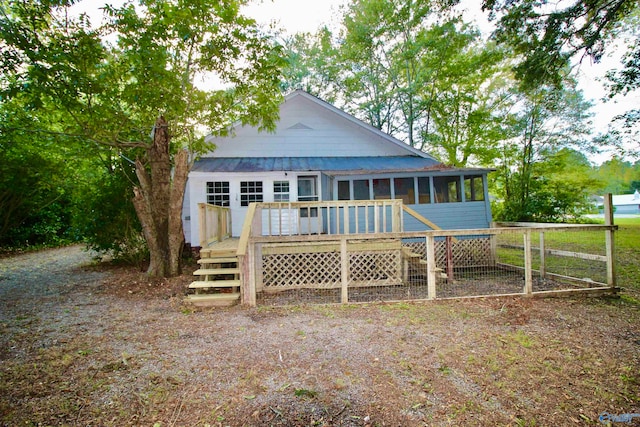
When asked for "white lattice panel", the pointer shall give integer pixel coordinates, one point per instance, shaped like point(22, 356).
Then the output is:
point(302, 270)
point(466, 252)
point(375, 268)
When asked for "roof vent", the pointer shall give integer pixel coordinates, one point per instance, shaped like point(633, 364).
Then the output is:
point(299, 125)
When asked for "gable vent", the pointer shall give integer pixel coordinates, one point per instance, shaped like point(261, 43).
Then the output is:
point(299, 125)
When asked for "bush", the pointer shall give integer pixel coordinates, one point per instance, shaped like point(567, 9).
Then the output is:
point(107, 219)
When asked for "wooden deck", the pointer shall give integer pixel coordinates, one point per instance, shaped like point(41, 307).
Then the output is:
point(227, 246)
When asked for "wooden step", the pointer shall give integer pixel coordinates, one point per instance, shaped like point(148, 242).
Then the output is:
point(213, 300)
point(199, 284)
point(407, 253)
point(217, 253)
point(218, 260)
point(215, 271)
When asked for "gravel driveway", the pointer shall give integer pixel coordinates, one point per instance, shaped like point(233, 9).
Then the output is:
point(38, 283)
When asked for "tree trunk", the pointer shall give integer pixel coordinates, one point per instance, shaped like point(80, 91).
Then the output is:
point(158, 203)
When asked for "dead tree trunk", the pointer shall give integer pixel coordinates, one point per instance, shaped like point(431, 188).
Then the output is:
point(158, 202)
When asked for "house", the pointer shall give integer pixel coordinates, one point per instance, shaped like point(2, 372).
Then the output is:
point(624, 203)
point(320, 153)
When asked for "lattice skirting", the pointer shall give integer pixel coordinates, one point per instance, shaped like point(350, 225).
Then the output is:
point(475, 252)
point(322, 270)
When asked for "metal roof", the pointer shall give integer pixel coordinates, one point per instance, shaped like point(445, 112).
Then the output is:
point(328, 165)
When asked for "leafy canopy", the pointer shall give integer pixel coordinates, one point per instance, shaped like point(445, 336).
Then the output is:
point(147, 58)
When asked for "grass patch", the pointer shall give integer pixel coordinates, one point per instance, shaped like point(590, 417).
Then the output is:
point(590, 242)
point(628, 254)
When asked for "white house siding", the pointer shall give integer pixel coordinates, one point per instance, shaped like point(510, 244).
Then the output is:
point(307, 129)
point(198, 194)
point(313, 135)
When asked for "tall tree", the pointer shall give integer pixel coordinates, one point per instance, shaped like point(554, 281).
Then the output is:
point(132, 84)
point(549, 120)
point(471, 107)
point(625, 130)
point(549, 37)
point(413, 71)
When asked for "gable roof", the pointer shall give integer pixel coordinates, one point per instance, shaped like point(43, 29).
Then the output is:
point(311, 127)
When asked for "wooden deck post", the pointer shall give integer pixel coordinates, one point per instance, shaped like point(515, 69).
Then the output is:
point(528, 278)
point(610, 240)
point(396, 219)
point(431, 267)
point(202, 224)
point(345, 213)
point(344, 276)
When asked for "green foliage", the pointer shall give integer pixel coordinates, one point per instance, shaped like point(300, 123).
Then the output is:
point(105, 216)
point(558, 190)
point(533, 183)
point(37, 180)
point(548, 37)
point(619, 176)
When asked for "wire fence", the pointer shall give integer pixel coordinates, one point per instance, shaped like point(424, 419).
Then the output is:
point(431, 265)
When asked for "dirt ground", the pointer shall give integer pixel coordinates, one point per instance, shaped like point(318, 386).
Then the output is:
point(92, 345)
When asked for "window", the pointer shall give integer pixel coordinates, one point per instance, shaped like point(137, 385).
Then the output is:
point(403, 189)
point(424, 191)
point(361, 189)
point(382, 188)
point(307, 189)
point(446, 188)
point(250, 191)
point(473, 188)
point(343, 190)
point(281, 191)
point(218, 193)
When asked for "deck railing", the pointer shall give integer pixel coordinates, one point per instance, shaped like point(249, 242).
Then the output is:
point(215, 224)
point(330, 217)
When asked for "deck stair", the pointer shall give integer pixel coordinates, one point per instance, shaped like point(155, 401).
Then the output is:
point(217, 280)
point(414, 263)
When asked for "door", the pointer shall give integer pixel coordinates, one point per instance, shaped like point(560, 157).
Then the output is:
point(309, 217)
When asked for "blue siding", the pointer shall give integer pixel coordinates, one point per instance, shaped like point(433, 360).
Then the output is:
point(450, 216)
point(627, 209)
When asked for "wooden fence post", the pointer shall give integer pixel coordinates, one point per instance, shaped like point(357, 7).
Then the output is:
point(610, 240)
point(543, 268)
point(528, 277)
point(449, 258)
point(344, 276)
point(431, 267)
